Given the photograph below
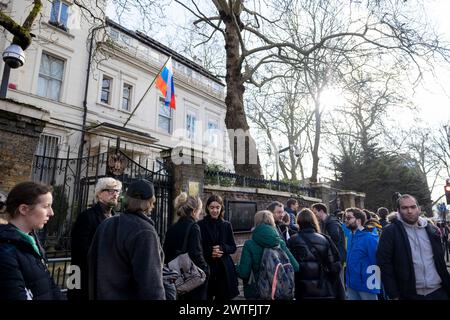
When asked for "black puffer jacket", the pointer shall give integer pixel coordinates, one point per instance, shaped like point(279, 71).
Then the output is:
point(318, 267)
point(23, 271)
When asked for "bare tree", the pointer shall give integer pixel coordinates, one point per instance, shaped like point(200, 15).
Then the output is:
point(371, 97)
point(441, 148)
point(383, 27)
point(281, 111)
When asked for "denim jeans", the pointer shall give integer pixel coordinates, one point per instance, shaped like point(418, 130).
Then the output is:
point(360, 295)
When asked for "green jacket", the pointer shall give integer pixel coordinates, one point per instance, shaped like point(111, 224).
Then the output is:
point(264, 236)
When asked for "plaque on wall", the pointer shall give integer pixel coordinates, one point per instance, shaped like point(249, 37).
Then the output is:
point(240, 214)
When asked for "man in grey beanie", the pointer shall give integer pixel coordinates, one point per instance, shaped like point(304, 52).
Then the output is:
point(126, 259)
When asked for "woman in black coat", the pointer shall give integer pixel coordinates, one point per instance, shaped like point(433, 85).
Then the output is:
point(319, 265)
point(23, 271)
point(218, 244)
point(188, 209)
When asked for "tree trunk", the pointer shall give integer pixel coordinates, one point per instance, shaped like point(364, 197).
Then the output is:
point(243, 148)
point(315, 151)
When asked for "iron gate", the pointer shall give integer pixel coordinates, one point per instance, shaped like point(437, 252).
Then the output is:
point(74, 180)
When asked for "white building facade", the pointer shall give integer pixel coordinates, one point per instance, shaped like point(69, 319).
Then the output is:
point(91, 91)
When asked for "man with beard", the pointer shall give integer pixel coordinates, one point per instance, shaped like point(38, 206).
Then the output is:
point(361, 259)
point(283, 228)
point(411, 257)
point(107, 191)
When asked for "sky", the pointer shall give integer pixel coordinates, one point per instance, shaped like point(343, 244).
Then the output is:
point(431, 97)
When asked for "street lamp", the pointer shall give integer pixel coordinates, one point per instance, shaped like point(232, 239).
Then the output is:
point(14, 57)
point(277, 164)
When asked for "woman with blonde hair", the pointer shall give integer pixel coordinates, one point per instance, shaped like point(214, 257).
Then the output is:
point(319, 263)
point(188, 209)
point(264, 235)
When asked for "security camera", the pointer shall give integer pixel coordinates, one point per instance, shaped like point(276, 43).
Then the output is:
point(14, 56)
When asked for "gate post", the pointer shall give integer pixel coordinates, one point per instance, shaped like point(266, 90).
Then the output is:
point(187, 168)
point(323, 191)
point(20, 128)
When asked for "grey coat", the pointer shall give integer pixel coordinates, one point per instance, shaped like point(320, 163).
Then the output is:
point(126, 260)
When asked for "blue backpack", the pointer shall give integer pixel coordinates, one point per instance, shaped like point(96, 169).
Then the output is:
point(276, 275)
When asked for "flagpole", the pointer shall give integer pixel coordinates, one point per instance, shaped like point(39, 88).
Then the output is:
point(148, 89)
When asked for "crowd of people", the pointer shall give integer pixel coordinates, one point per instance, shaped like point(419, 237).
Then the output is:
point(352, 254)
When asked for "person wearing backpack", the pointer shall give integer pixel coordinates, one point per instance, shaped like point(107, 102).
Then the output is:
point(319, 264)
point(264, 235)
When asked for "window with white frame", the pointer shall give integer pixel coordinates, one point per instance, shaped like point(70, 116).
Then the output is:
point(47, 151)
point(105, 96)
point(59, 14)
point(212, 138)
point(191, 124)
point(51, 74)
point(47, 146)
point(126, 96)
point(165, 116)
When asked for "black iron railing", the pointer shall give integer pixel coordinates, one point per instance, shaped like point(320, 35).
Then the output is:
point(230, 179)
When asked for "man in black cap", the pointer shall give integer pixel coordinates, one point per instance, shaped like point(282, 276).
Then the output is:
point(126, 259)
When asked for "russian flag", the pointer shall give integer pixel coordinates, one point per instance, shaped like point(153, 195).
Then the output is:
point(164, 82)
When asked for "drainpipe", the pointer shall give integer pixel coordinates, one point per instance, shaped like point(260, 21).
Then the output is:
point(88, 73)
point(76, 195)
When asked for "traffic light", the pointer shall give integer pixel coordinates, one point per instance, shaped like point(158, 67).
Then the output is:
point(447, 190)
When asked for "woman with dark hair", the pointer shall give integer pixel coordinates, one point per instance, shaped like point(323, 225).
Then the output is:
point(23, 271)
point(319, 263)
point(218, 245)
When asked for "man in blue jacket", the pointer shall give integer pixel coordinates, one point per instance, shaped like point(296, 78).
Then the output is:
point(362, 276)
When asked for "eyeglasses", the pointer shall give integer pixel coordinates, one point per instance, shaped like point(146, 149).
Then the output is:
point(348, 218)
point(111, 191)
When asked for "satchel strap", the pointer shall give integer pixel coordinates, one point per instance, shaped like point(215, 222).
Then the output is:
point(186, 237)
point(318, 257)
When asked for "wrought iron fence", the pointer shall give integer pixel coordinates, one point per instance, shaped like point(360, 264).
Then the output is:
point(73, 181)
point(229, 179)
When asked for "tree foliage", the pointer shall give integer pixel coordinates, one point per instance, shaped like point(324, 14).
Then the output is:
point(380, 177)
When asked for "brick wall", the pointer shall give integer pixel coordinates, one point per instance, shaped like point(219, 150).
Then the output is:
point(19, 136)
point(262, 197)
